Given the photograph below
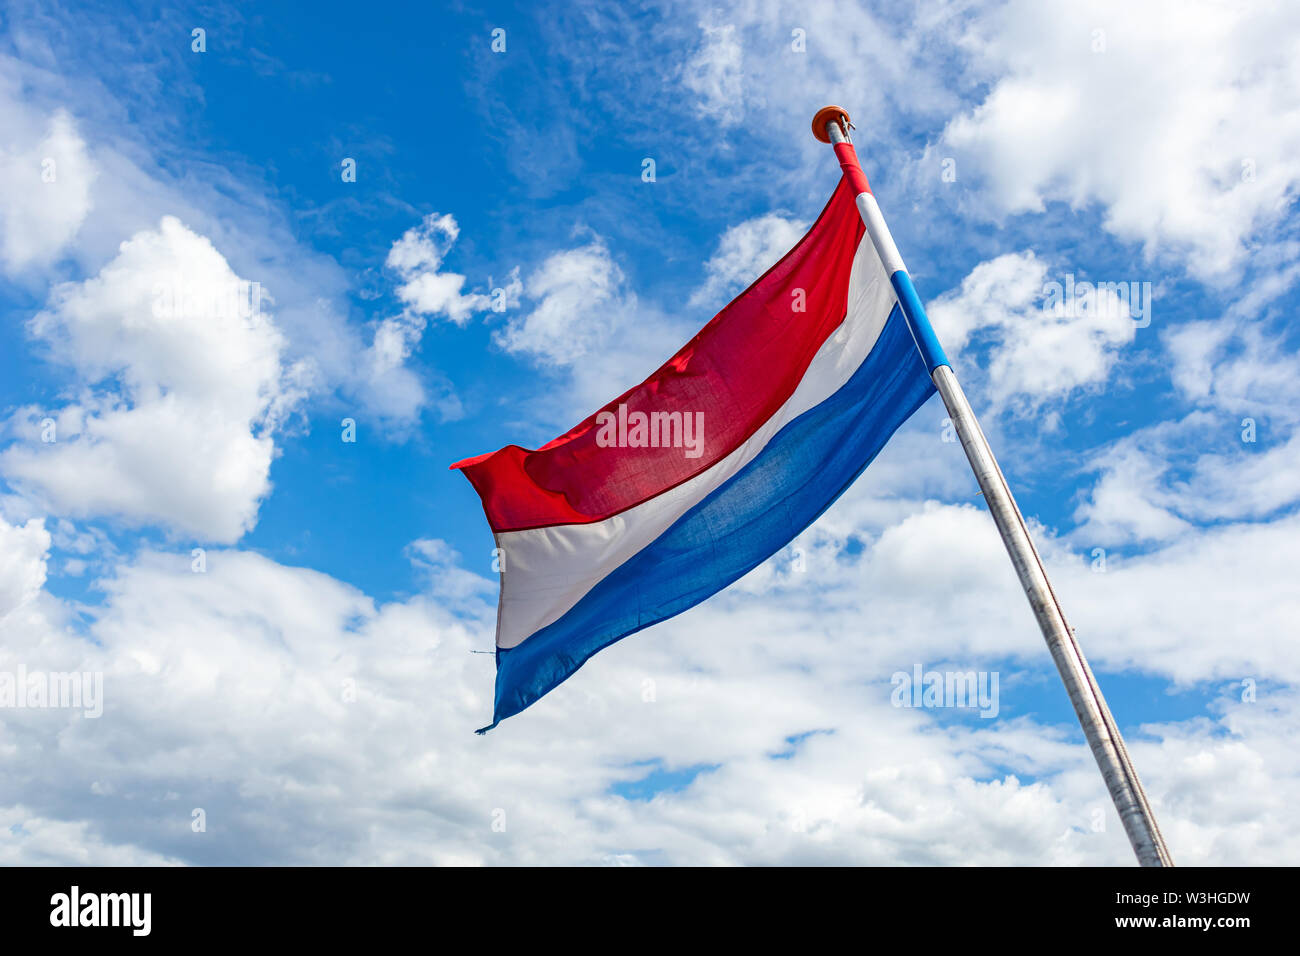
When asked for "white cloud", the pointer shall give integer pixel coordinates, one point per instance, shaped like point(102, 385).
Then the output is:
point(422, 247)
point(181, 383)
point(1165, 480)
point(1125, 506)
point(48, 191)
point(1234, 366)
point(425, 290)
point(581, 321)
point(34, 840)
point(744, 61)
point(715, 74)
point(744, 253)
point(1240, 483)
point(441, 565)
point(345, 726)
point(391, 389)
point(23, 553)
point(1211, 606)
point(580, 299)
point(1182, 126)
point(131, 184)
point(1041, 349)
point(989, 295)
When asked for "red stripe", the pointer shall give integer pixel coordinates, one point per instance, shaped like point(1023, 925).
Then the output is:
point(848, 157)
point(738, 370)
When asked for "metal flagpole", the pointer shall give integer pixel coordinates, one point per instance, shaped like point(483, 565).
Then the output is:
point(831, 125)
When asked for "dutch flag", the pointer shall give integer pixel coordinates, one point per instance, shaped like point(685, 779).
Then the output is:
point(686, 482)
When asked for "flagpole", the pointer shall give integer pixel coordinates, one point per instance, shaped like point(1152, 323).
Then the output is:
point(831, 125)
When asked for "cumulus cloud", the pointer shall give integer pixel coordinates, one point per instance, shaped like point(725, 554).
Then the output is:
point(181, 384)
point(40, 841)
point(1212, 606)
point(1235, 456)
point(1044, 341)
point(23, 553)
point(579, 298)
point(1126, 505)
point(1175, 117)
point(744, 253)
point(110, 184)
point(1234, 366)
point(425, 290)
point(345, 724)
point(1170, 479)
point(48, 194)
point(394, 391)
point(581, 320)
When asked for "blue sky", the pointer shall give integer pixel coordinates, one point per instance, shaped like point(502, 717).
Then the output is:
point(318, 668)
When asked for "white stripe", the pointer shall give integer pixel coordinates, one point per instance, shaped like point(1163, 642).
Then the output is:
point(879, 233)
point(546, 571)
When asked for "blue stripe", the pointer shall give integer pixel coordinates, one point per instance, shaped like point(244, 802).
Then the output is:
point(923, 333)
point(803, 469)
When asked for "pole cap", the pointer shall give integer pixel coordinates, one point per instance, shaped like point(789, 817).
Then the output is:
point(824, 116)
